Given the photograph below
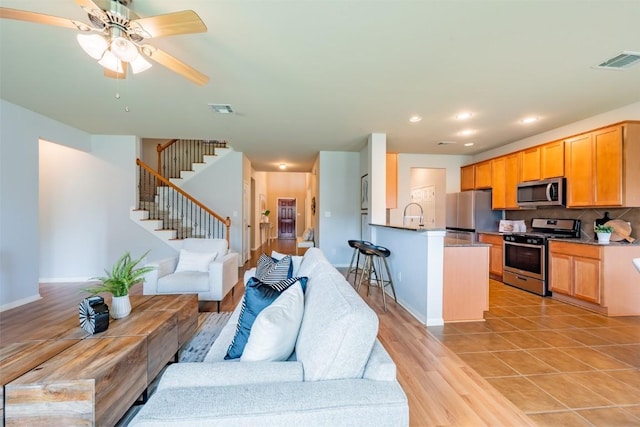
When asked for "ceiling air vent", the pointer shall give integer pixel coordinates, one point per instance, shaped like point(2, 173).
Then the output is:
point(446, 142)
point(221, 108)
point(621, 61)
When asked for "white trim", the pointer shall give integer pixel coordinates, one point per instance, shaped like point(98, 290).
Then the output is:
point(63, 279)
point(20, 302)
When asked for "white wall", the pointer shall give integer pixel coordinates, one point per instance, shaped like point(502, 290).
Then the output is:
point(629, 112)
point(406, 162)
point(85, 222)
point(220, 188)
point(20, 131)
point(338, 211)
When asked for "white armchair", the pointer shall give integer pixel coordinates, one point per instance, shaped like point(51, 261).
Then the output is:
point(204, 266)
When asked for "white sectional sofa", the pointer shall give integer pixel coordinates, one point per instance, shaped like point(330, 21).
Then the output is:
point(338, 375)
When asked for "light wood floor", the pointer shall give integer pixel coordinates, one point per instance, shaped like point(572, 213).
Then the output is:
point(442, 389)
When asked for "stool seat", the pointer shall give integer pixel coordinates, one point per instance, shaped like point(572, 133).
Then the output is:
point(375, 256)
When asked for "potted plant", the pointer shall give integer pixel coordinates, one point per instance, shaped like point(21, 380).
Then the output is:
point(265, 215)
point(123, 275)
point(604, 233)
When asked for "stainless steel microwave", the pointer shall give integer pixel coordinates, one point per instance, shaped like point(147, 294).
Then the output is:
point(548, 192)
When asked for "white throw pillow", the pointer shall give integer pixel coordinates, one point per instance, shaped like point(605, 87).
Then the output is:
point(195, 261)
point(275, 331)
point(295, 260)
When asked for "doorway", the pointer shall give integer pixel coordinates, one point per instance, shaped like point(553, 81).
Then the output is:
point(286, 218)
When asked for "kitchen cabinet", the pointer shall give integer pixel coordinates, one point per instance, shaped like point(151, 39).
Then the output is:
point(483, 175)
point(575, 270)
point(504, 181)
point(495, 253)
point(392, 181)
point(530, 167)
point(542, 162)
point(552, 160)
point(467, 177)
point(601, 167)
point(597, 277)
point(465, 291)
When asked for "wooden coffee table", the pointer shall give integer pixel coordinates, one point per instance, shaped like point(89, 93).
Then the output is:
point(95, 380)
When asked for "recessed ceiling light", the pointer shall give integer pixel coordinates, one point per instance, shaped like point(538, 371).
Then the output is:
point(464, 115)
point(221, 108)
point(467, 132)
point(415, 119)
point(530, 119)
point(468, 144)
point(282, 166)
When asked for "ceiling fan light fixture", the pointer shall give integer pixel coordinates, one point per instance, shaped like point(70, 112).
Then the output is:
point(124, 49)
point(94, 45)
point(139, 65)
point(111, 62)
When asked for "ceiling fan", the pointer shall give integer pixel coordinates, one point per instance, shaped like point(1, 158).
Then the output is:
point(118, 38)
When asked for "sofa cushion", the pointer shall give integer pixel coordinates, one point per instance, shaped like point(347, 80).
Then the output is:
point(184, 282)
point(270, 270)
point(338, 328)
point(257, 296)
point(275, 330)
point(195, 261)
point(295, 260)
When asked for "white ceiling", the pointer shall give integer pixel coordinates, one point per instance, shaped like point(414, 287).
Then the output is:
point(304, 76)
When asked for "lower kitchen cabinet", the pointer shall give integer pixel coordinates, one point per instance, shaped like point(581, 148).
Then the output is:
point(597, 277)
point(495, 253)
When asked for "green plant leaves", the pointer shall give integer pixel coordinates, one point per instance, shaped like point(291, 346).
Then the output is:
point(122, 277)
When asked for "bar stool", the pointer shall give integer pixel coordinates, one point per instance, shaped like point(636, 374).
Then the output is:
point(377, 255)
point(356, 245)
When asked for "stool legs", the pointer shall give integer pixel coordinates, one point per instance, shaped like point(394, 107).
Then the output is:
point(370, 269)
point(356, 256)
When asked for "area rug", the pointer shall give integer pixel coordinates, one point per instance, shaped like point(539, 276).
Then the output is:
point(194, 350)
point(209, 327)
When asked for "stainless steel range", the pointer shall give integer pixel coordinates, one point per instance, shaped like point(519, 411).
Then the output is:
point(526, 254)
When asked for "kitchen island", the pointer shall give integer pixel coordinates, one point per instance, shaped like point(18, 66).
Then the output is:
point(436, 279)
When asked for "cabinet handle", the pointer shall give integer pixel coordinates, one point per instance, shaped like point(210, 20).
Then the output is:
point(524, 279)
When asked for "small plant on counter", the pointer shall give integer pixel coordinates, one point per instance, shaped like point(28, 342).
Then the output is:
point(603, 229)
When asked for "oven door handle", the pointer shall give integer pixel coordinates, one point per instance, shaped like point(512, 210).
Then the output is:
point(524, 244)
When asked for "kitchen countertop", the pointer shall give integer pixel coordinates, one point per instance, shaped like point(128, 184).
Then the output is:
point(402, 227)
point(582, 240)
point(452, 241)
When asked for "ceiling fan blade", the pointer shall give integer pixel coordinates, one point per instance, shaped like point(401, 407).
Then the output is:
point(114, 74)
point(175, 65)
point(170, 24)
point(38, 18)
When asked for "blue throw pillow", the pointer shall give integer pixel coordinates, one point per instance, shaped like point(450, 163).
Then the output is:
point(270, 270)
point(257, 296)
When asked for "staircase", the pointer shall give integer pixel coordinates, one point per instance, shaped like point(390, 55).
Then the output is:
point(167, 211)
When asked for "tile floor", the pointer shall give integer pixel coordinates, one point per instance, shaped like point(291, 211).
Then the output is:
point(560, 364)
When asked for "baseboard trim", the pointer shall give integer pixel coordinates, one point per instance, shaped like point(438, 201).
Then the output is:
point(63, 279)
point(20, 302)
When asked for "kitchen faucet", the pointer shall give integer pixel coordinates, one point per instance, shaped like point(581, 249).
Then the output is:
point(404, 214)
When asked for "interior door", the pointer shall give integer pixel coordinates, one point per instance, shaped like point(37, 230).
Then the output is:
point(286, 218)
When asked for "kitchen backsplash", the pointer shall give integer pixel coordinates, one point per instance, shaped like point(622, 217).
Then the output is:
point(586, 216)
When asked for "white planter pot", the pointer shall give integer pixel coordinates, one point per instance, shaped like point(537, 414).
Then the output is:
point(120, 307)
point(603, 238)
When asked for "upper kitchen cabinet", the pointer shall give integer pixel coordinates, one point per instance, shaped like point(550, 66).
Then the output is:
point(392, 181)
point(467, 177)
point(552, 160)
point(476, 176)
point(504, 180)
point(542, 162)
point(599, 167)
point(483, 175)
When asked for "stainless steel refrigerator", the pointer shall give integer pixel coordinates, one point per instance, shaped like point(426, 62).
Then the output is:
point(468, 212)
